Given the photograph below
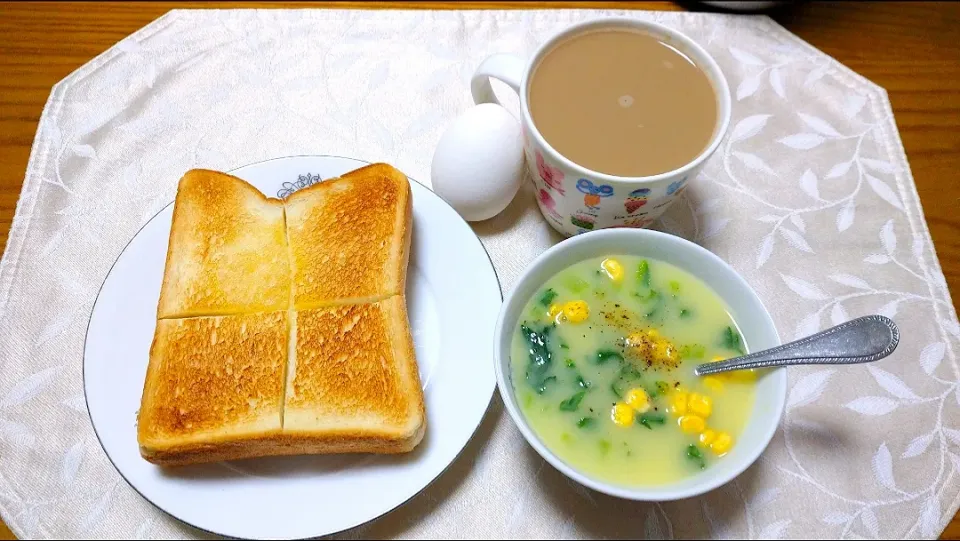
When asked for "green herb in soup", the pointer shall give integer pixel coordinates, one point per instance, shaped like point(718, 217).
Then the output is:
point(603, 369)
point(539, 357)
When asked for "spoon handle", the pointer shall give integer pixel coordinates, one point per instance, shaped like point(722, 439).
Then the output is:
point(862, 340)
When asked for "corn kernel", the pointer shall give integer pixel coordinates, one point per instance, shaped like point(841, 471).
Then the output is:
point(576, 311)
point(634, 339)
point(678, 402)
point(638, 400)
point(554, 311)
point(613, 268)
point(707, 437)
point(713, 383)
point(661, 348)
point(743, 376)
point(653, 334)
point(700, 405)
point(718, 358)
point(622, 414)
point(692, 424)
point(722, 444)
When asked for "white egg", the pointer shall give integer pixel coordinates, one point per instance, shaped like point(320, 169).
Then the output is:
point(478, 163)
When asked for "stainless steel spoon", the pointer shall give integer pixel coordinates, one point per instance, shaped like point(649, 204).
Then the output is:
point(862, 340)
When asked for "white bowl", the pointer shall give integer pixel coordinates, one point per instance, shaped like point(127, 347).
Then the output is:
point(755, 324)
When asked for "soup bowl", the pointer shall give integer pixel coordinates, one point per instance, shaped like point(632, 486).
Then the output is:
point(745, 307)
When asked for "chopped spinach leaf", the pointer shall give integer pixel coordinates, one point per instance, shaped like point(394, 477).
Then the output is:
point(605, 355)
point(651, 295)
point(547, 297)
point(694, 454)
point(643, 273)
point(627, 370)
point(542, 388)
point(585, 422)
point(650, 419)
point(540, 358)
point(572, 403)
point(732, 341)
point(658, 389)
point(616, 390)
point(684, 313)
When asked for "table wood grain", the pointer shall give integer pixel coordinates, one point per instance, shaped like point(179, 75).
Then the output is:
point(911, 48)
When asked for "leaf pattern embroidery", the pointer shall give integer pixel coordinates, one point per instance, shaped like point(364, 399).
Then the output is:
point(808, 195)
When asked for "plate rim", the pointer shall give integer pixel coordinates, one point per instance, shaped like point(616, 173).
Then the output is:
point(456, 456)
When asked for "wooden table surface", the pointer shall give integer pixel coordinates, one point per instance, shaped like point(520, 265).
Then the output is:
point(912, 49)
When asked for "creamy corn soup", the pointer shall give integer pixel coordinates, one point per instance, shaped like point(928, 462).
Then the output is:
point(602, 365)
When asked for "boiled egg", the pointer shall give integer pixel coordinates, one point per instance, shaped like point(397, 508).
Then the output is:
point(478, 163)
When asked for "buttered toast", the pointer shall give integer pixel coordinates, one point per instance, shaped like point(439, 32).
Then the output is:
point(282, 325)
point(349, 238)
point(228, 250)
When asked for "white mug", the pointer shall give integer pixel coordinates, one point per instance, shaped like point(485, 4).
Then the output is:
point(573, 198)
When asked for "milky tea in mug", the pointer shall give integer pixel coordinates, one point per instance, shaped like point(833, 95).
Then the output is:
point(623, 102)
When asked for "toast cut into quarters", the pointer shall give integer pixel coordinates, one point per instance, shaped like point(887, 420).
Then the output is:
point(282, 326)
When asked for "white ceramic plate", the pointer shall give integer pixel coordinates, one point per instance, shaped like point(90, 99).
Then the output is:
point(453, 299)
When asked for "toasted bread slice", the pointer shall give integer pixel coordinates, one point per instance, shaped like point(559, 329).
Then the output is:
point(228, 250)
point(350, 237)
point(214, 388)
point(352, 383)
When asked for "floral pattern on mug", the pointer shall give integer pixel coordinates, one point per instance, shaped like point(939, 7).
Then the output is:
point(676, 188)
point(636, 199)
point(552, 176)
point(593, 193)
point(547, 203)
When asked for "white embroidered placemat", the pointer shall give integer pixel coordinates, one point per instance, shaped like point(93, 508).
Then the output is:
point(810, 197)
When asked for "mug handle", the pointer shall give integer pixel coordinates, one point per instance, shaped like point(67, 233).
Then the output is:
point(505, 67)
